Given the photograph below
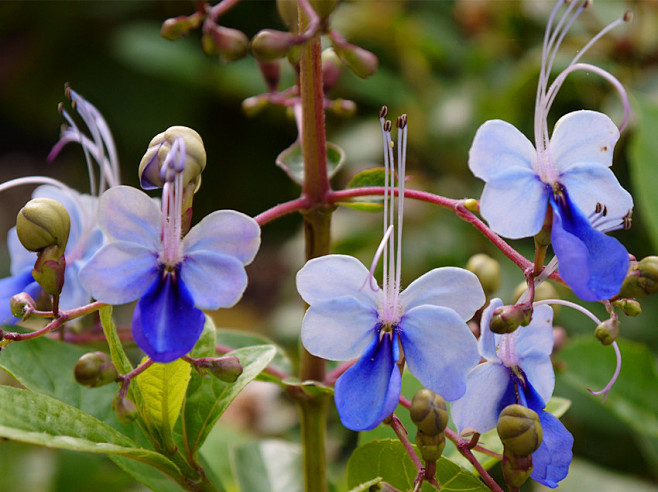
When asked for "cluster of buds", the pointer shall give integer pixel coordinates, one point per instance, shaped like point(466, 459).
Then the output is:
point(642, 278)
point(430, 414)
point(43, 226)
point(521, 434)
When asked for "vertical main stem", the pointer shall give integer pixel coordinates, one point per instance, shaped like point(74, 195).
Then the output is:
point(317, 233)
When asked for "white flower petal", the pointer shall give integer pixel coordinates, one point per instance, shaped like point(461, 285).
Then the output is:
point(332, 276)
point(214, 280)
point(339, 329)
point(120, 272)
point(439, 349)
point(583, 136)
point(478, 410)
point(227, 232)
point(127, 214)
point(451, 287)
point(499, 147)
point(514, 203)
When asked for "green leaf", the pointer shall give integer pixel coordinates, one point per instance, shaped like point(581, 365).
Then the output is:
point(311, 388)
point(642, 159)
point(119, 357)
point(205, 346)
point(38, 419)
point(291, 161)
point(364, 487)
point(269, 466)
point(31, 363)
point(389, 460)
point(146, 475)
point(163, 388)
point(208, 398)
point(364, 179)
point(236, 339)
point(633, 397)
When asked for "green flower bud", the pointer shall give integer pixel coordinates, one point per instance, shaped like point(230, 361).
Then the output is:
point(177, 27)
point(630, 307)
point(607, 332)
point(95, 369)
point(125, 409)
point(519, 430)
point(516, 469)
point(22, 305)
point(324, 7)
point(429, 412)
point(160, 146)
point(642, 278)
point(471, 204)
point(362, 62)
point(229, 44)
point(430, 447)
point(270, 45)
point(227, 368)
point(487, 270)
point(507, 319)
point(288, 11)
point(254, 105)
point(42, 223)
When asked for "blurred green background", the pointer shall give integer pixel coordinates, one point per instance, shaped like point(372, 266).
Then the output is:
point(450, 65)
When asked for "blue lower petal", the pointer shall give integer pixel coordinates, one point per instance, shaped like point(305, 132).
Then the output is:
point(369, 391)
point(592, 264)
point(550, 463)
point(9, 287)
point(166, 325)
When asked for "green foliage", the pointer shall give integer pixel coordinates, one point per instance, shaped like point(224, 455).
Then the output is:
point(642, 159)
point(389, 460)
point(369, 177)
point(269, 466)
point(208, 398)
point(291, 161)
point(38, 419)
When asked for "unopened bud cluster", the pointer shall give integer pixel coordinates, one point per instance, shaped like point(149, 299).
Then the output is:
point(227, 368)
point(95, 369)
point(520, 431)
point(608, 331)
point(430, 414)
point(642, 278)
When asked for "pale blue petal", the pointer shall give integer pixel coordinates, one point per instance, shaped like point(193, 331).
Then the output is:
point(331, 276)
point(73, 293)
point(537, 337)
point(166, 325)
point(583, 136)
point(489, 340)
point(439, 349)
point(127, 214)
point(449, 287)
point(214, 280)
point(20, 257)
point(498, 147)
point(539, 372)
point(514, 203)
point(479, 408)
point(227, 232)
point(369, 389)
point(120, 272)
point(590, 183)
point(339, 328)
